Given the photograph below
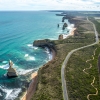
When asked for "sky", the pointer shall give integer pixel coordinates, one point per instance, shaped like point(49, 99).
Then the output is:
point(12, 5)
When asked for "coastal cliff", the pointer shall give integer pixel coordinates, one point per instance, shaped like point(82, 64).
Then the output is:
point(45, 43)
point(49, 76)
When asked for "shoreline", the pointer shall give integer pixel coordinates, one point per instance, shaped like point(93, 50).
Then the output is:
point(72, 31)
point(34, 78)
point(32, 86)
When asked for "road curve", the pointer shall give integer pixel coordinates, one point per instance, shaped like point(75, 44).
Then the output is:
point(64, 87)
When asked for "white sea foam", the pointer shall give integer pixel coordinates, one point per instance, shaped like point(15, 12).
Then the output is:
point(4, 62)
point(8, 92)
point(49, 53)
point(4, 66)
point(28, 58)
point(35, 47)
point(23, 71)
point(31, 58)
point(50, 57)
point(31, 46)
point(70, 26)
point(65, 36)
point(47, 50)
point(26, 55)
point(12, 93)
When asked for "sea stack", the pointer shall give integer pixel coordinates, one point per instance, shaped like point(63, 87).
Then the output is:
point(11, 71)
point(64, 26)
point(60, 37)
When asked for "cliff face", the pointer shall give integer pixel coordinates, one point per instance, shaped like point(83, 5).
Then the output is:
point(44, 43)
point(41, 43)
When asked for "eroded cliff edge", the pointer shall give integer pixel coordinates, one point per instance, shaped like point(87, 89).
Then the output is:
point(49, 85)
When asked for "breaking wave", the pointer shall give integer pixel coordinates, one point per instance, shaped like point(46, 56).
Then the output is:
point(29, 58)
point(11, 94)
point(31, 46)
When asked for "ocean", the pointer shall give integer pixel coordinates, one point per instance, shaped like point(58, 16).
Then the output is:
point(18, 30)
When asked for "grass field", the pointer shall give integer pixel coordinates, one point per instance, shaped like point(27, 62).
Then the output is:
point(78, 83)
point(98, 20)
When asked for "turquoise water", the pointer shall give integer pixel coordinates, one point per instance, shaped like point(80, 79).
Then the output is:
point(18, 30)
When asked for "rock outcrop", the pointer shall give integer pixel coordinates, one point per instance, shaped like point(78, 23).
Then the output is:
point(11, 71)
point(64, 26)
point(63, 19)
point(58, 25)
point(60, 36)
point(44, 43)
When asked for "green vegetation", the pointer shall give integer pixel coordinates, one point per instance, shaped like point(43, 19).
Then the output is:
point(97, 24)
point(49, 76)
point(78, 83)
point(98, 20)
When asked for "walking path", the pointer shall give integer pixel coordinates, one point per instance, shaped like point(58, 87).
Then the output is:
point(64, 88)
point(84, 70)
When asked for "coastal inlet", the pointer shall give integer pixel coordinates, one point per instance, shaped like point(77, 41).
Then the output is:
point(18, 30)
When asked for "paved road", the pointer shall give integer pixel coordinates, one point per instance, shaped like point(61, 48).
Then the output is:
point(64, 88)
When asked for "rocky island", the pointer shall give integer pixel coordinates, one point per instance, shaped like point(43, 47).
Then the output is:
point(11, 71)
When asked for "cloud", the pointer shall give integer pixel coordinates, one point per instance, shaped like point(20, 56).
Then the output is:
point(49, 4)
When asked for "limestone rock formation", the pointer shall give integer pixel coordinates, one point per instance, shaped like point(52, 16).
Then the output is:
point(45, 43)
point(11, 71)
point(58, 25)
point(64, 26)
point(60, 37)
point(63, 19)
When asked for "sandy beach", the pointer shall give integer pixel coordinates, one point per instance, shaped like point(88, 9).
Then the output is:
point(70, 34)
point(29, 93)
point(72, 31)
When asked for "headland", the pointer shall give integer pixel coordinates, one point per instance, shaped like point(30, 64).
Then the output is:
point(50, 44)
point(49, 86)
